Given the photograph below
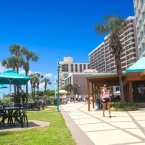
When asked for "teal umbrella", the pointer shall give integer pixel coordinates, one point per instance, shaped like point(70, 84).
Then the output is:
point(12, 77)
point(3, 86)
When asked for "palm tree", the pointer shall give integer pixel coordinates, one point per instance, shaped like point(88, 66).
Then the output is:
point(68, 88)
point(14, 62)
point(75, 88)
point(15, 51)
point(38, 81)
point(33, 83)
point(46, 82)
point(9, 63)
point(27, 56)
point(114, 25)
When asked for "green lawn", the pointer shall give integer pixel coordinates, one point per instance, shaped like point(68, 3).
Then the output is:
point(56, 134)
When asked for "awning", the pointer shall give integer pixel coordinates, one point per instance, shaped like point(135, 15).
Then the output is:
point(139, 66)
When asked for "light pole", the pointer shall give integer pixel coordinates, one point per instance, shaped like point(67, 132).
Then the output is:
point(58, 71)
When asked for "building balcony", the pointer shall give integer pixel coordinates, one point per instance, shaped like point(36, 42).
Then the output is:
point(139, 5)
point(143, 7)
point(137, 23)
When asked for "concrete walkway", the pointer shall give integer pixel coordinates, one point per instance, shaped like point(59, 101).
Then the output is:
point(88, 128)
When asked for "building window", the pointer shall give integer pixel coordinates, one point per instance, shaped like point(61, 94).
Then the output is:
point(80, 67)
point(72, 69)
point(84, 66)
point(66, 67)
point(76, 68)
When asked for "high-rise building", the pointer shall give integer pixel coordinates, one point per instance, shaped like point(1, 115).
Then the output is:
point(102, 59)
point(68, 66)
point(139, 8)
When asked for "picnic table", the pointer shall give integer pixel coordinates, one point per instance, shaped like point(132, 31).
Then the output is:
point(13, 115)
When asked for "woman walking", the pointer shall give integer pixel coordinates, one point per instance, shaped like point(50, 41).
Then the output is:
point(106, 98)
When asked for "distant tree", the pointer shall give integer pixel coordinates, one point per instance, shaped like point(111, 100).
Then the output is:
point(68, 88)
point(75, 88)
point(46, 82)
point(33, 83)
point(27, 56)
point(38, 80)
point(50, 92)
point(114, 26)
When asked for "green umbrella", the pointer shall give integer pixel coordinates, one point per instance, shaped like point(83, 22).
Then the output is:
point(12, 77)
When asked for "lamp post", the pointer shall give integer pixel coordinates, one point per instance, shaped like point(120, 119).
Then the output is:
point(58, 71)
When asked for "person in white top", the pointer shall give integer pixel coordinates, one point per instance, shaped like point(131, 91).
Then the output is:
point(106, 98)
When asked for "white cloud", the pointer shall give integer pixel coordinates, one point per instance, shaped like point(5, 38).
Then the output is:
point(41, 86)
point(48, 75)
point(22, 71)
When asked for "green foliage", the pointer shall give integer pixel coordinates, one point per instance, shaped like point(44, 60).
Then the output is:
point(41, 93)
point(50, 92)
point(56, 134)
point(7, 100)
point(123, 106)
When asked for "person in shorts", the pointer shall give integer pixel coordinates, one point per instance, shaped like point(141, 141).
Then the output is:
point(106, 97)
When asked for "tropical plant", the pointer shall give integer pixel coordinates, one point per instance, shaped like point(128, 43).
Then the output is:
point(75, 88)
point(33, 82)
point(15, 51)
point(46, 82)
point(38, 81)
point(69, 88)
point(27, 56)
point(115, 25)
point(14, 62)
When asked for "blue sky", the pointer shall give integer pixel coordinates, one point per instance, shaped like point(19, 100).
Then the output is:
point(56, 28)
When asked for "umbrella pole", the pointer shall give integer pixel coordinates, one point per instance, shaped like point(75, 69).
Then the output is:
point(10, 87)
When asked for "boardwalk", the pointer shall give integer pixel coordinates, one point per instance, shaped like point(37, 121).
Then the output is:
point(88, 128)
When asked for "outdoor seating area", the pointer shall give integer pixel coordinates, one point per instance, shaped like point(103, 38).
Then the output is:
point(133, 82)
point(13, 115)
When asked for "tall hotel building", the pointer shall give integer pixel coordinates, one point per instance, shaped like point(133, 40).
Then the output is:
point(68, 66)
point(139, 8)
point(101, 57)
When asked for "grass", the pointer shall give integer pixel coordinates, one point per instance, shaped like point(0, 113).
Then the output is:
point(56, 134)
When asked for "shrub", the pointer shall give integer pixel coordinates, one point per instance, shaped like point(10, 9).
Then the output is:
point(124, 106)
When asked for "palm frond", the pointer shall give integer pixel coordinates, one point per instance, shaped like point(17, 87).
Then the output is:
point(102, 28)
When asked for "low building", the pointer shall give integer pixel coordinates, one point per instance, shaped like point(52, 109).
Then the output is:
point(133, 81)
point(80, 80)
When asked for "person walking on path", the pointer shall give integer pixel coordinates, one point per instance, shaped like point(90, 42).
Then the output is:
point(106, 98)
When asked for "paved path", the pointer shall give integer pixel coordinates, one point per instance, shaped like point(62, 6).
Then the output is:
point(88, 128)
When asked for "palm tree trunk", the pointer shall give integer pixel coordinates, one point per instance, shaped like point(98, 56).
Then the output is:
point(27, 88)
point(18, 91)
point(45, 88)
point(119, 72)
point(34, 93)
point(38, 90)
point(15, 90)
